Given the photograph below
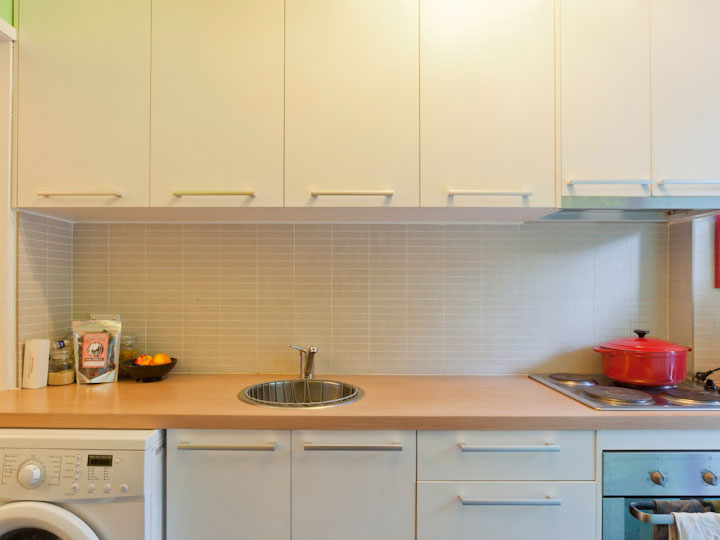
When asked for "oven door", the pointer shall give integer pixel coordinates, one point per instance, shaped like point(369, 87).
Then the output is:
point(619, 523)
point(41, 521)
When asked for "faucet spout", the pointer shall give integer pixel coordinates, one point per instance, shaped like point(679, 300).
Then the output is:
point(307, 361)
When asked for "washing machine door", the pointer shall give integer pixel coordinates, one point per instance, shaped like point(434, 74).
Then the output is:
point(30, 520)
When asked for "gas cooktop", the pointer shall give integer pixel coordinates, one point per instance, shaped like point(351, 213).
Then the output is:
point(602, 394)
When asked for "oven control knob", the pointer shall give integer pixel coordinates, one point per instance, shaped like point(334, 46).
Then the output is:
point(30, 475)
point(657, 478)
point(710, 478)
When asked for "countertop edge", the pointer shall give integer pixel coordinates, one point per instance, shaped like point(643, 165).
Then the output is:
point(409, 423)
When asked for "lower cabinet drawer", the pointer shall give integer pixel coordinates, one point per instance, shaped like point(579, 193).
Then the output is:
point(507, 511)
point(506, 455)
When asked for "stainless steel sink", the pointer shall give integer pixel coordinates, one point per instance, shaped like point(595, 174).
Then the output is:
point(301, 393)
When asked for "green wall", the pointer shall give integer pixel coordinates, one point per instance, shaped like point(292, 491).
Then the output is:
point(6, 10)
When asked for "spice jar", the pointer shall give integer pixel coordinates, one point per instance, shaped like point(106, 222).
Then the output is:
point(128, 352)
point(61, 367)
point(128, 348)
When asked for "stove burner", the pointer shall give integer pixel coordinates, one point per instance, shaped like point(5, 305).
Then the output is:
point(574, 379)
point(618, 395)
point(688, 396)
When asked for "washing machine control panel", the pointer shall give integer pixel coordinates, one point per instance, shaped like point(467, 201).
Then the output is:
point(29, 474)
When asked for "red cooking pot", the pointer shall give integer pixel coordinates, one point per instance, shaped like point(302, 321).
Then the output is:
point(644, 361)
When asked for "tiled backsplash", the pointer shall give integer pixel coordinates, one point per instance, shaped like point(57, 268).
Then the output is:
point(680, 283)
point(706, 297)
point(44, 279)
point(376, 298)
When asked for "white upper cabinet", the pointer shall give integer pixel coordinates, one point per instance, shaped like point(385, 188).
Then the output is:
point(604, 114)
point(217, 103)
point(686, 97)
point(487, 103)
point(83, 103)
point(351, 103)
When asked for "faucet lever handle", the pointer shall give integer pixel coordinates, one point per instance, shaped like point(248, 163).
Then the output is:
point(303, 349)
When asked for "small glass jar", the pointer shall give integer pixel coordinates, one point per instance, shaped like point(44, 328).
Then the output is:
point(61, 367)
point(128, 348)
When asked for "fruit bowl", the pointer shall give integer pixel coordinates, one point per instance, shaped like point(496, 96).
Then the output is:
point(147, 373)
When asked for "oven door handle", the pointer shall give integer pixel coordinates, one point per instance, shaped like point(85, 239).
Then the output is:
point(636, 511)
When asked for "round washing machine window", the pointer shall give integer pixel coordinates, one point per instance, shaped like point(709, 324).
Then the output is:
point(29, 534)
point(30, 520)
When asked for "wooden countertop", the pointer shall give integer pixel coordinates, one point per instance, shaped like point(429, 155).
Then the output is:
point(390, 402)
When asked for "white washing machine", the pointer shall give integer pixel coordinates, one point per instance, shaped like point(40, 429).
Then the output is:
point(81, 484)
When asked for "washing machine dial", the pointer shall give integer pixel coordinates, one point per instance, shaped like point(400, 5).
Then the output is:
point(31, 474)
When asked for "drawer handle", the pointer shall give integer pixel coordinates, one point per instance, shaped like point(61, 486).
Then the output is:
point(548, 447)
point(393, 447)
point(684, 182)
point(489, 192)
point(270, 447)
point(510, 502)
point(353, 193)
point(201, 193)
point(79, 194)
point(639, 182)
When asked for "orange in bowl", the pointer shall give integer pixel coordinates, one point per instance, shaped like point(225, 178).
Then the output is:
point(160, 359)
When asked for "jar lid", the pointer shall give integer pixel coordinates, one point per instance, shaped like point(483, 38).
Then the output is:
point(643, 344)
point(61, 354)
point(128, 338)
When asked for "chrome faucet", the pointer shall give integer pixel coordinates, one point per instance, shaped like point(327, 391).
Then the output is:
point(307, 361)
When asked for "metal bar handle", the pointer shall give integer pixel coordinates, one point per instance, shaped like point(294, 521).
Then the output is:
point(636, 511)
point(79, 194)
point(205, 193)
point(392, 447)
point(489, 192)
point(353, 192)
point(548, 447)
point(637, 182)
point(547, 501)
point(270, 447)
point(688, 182)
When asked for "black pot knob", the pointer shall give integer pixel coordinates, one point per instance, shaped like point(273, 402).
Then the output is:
point(641, 333)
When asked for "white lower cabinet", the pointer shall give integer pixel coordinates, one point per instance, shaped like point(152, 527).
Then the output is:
point(505, 510)
point(354, 485)
point(228, 484)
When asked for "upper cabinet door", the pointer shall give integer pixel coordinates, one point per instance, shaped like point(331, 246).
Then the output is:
point(217, 103)
point(487, 105)
point(605, 97)
point(84, 103)
point(351, 103)
point(686, 97)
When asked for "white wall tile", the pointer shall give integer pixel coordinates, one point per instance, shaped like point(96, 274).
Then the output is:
point(374, 298)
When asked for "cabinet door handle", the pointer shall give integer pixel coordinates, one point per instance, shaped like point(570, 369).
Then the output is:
point(204, 193)
point(353, 192)
point(489, 192)
point(548, 447)
point(510, 502)
point(79, 194)
point(636, 182)
point(392, 447)
point(688, 182)
point(270, 447)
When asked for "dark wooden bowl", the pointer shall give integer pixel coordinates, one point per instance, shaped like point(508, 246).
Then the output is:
point(148, 373)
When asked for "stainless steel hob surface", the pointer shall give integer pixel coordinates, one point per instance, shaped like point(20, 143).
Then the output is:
point(602, 394)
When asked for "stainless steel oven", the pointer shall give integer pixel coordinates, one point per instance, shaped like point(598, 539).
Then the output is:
point(638, 478)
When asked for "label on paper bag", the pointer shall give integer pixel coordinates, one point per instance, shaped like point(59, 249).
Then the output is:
point(95, 350)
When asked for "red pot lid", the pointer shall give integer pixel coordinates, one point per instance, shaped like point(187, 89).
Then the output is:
point(643, 344)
